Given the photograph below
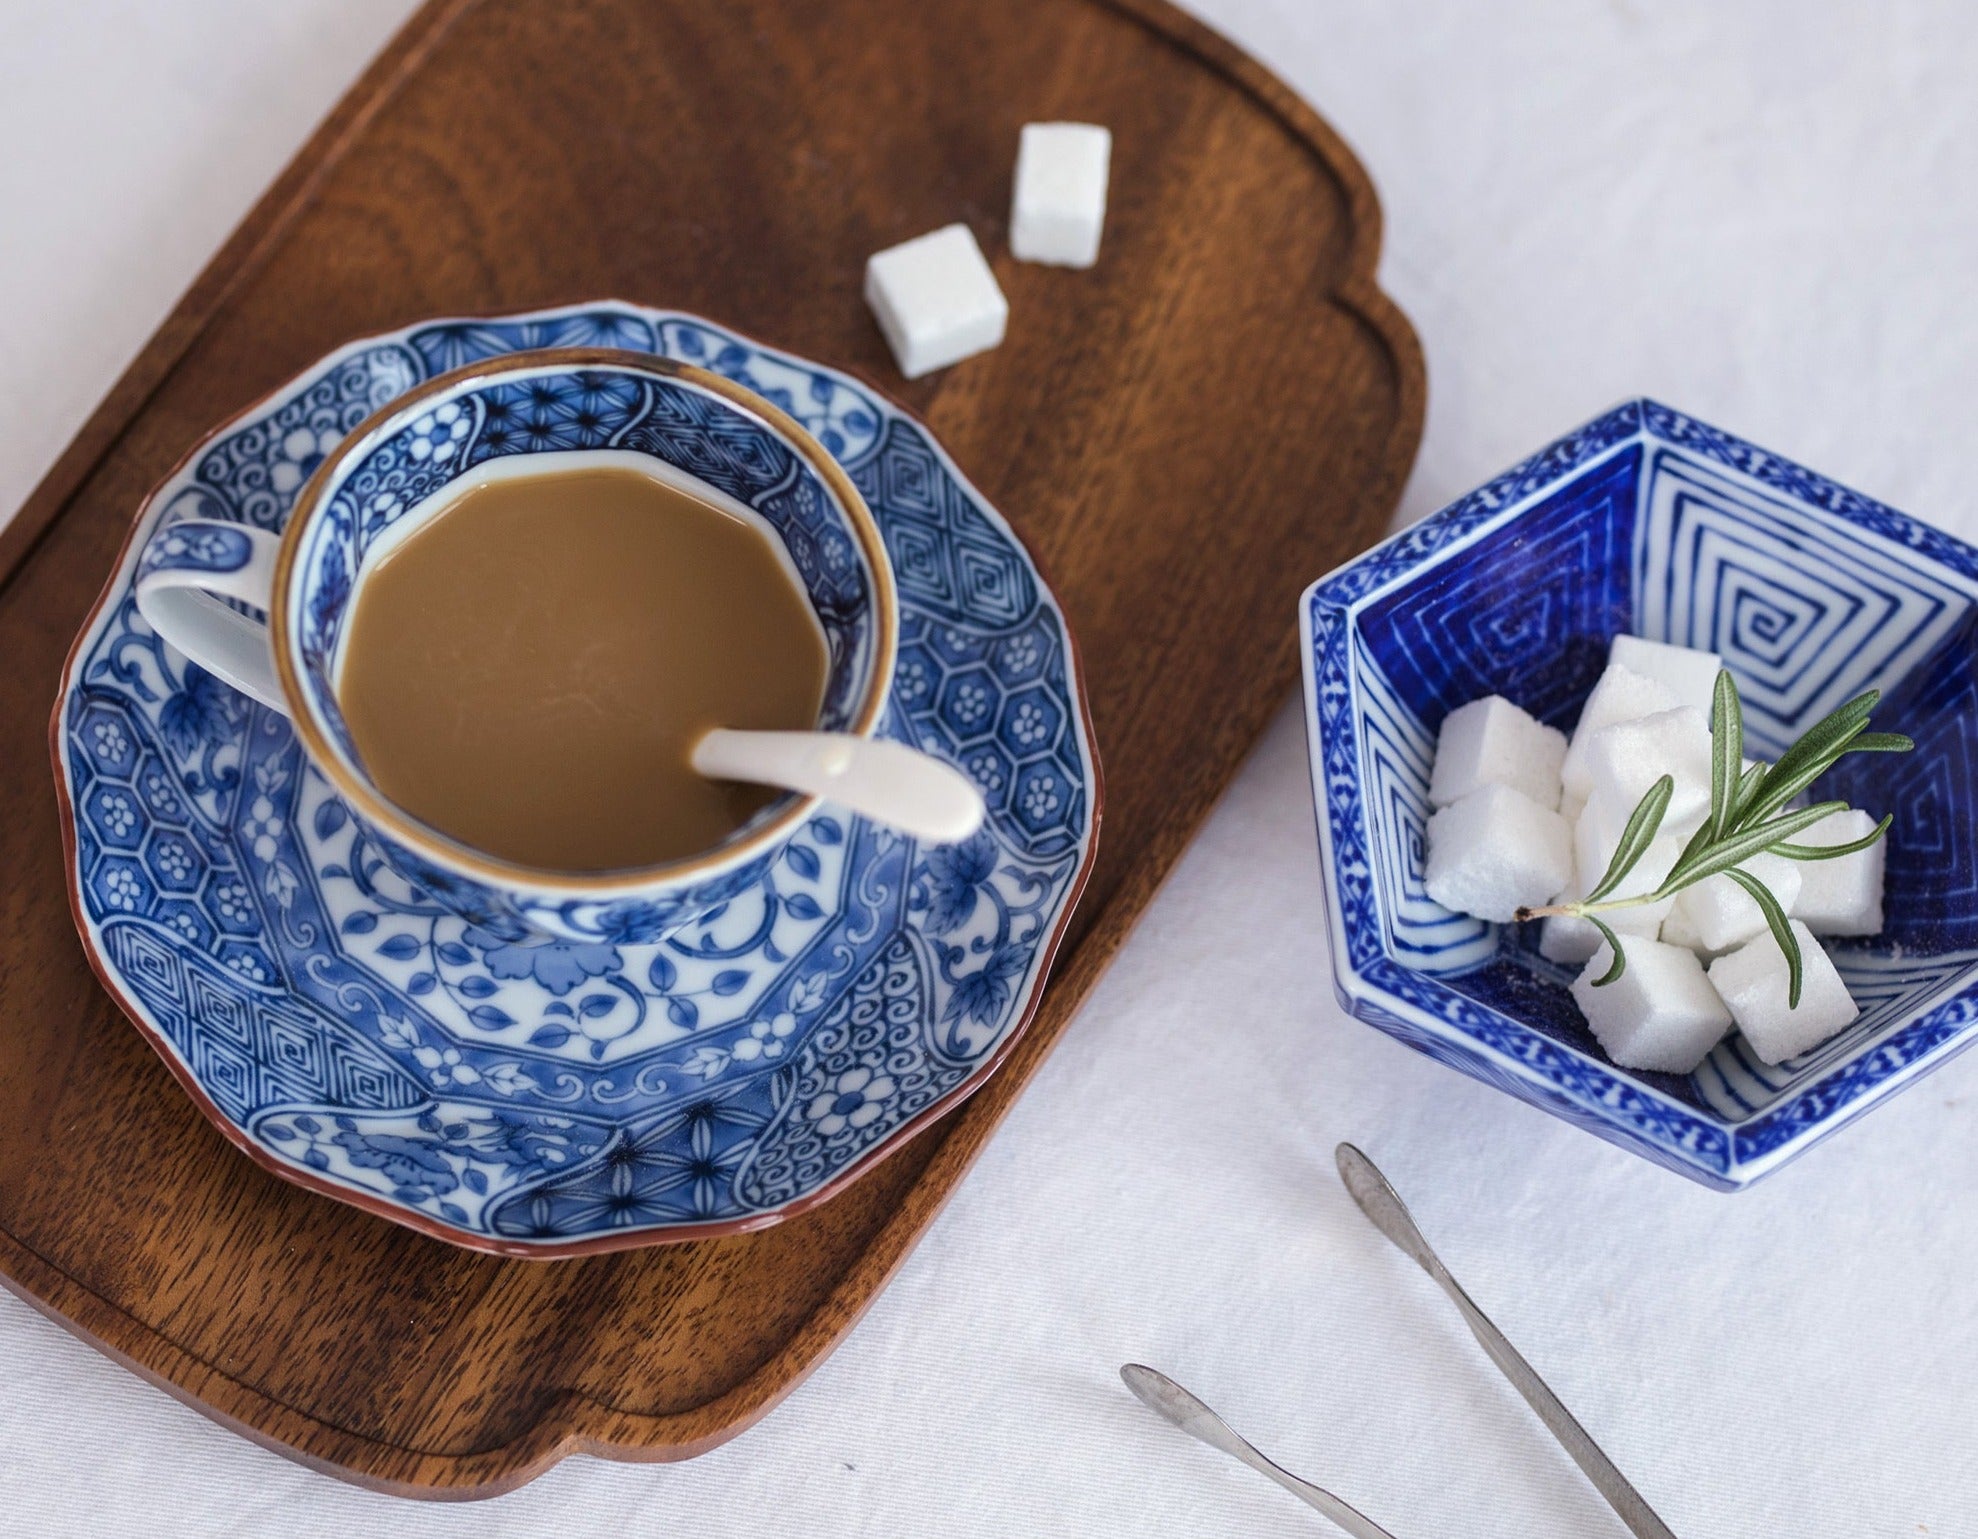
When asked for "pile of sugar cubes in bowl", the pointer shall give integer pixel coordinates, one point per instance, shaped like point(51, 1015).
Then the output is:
point(1528, 819)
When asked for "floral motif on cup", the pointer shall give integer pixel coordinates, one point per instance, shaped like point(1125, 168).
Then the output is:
point(199, 547)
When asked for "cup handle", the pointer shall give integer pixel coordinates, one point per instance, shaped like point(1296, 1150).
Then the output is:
point(184, 566)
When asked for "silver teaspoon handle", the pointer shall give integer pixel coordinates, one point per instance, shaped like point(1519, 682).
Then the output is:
point(1171, 1402)
point(1380, 1202)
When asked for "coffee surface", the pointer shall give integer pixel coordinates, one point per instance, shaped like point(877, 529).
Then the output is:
point(529, 671)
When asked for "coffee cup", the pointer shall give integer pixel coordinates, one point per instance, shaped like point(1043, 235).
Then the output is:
point(270, 614)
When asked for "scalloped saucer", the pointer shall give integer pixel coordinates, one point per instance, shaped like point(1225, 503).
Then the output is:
point(560, 1099)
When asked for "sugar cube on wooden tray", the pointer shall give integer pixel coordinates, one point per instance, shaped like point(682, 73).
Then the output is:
point(1696, 961)
point(1058, 204)
point(936, 300)
point(935, 297)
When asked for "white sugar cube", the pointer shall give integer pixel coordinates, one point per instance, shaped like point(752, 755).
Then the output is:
point(1688, 673)
point(1571, 806)
point(1842, 896)
point(1754, 984)
point(1495, 852)
point(1593, 853)
point(1491, 742)
point(936, 300)
point(1677, 930)
point(1661, 1013)
point(1058, 207)
point(1716, 914)
point(1567, 938)
point(1620, 695)
point(1623, 761)
point(1596, 835)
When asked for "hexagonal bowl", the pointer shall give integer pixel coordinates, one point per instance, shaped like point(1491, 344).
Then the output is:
point(1647, 520)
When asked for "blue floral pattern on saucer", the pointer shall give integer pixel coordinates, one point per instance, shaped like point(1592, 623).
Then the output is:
point(556, 1097)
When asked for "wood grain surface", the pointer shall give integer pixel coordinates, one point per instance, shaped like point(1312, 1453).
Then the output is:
point(1225, 408)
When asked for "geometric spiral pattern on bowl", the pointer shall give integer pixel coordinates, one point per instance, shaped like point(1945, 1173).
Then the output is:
point(1806, 615)
point(1648, 521)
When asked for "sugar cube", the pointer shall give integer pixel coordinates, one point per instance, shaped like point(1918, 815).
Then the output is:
point(1568, 938)
point(1497, 851)
point(936, 300)
point(1593, 853)
point(1754, 984)
point(1597, 835)
point(1661, 1013)
point(1620, 695)
point(1689, 673)
point(1571, 806)
point(1716, 914)
point(1678, 930)
point(1842, 896)
point(1623, 761)
point(1058, 206)
point(1491, 742)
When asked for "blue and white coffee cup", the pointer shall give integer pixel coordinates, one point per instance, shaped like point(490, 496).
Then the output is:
point(198, 577)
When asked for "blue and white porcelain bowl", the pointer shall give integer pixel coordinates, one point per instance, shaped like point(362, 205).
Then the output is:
point(1646, 520)
point(529, 412)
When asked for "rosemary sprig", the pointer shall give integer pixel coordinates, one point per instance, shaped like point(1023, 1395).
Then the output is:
point(1746, 819)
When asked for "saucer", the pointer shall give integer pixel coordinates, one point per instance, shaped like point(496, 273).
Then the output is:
point(563, 1098)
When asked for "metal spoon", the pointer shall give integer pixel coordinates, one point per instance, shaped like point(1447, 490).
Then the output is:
point(1390, 1216)
point(1162, 1395)
point(886, 781)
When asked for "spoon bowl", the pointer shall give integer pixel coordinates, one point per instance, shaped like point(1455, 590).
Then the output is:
point(888, 782)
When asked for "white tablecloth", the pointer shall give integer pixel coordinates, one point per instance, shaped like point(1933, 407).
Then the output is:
point(1761, 215)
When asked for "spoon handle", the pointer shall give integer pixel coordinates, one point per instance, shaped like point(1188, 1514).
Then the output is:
point(1318, 1498)
point(1382, 1204)
point(1181, 1406)
point(886, 781)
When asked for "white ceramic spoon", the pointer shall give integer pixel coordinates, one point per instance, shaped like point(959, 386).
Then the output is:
point(886, 781)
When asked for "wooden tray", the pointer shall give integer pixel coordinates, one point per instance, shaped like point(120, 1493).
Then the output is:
point(1222, 410)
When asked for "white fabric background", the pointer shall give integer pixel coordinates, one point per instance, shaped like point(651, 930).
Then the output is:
point(1761, 215)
